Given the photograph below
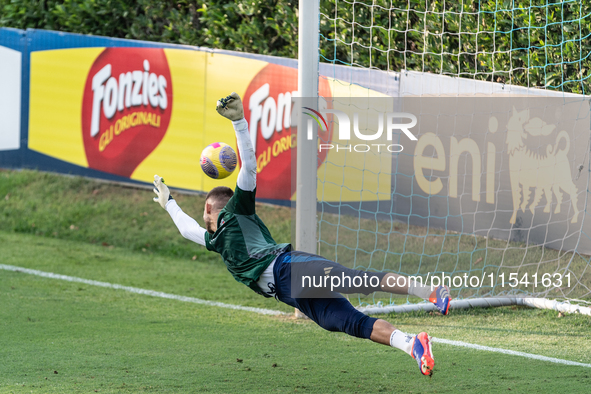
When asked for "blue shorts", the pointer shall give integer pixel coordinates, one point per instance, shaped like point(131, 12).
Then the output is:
point(334, 313)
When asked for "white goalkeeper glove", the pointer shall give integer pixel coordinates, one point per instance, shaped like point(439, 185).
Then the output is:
point(161, 191)
point(230, 107)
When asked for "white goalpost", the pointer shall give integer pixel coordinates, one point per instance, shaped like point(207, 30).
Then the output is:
point(305, 210)
point(306, 163)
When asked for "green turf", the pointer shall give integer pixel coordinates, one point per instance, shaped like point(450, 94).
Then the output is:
point(112, 341)
point(208, 280)
point(84, 210)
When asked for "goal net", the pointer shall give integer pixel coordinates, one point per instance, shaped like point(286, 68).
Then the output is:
point(491, 197)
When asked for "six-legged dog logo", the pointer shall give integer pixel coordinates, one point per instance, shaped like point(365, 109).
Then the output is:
point(547, 173)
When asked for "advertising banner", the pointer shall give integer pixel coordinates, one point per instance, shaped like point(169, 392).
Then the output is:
point(12, 45)
point(503, 168)
point(101, 108)
point(133, 112)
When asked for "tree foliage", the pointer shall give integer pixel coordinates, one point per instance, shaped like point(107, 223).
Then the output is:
point(266, 27)
point(532, 43)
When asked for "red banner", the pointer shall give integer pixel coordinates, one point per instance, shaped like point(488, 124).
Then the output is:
point(126, 108)
point(268, 109)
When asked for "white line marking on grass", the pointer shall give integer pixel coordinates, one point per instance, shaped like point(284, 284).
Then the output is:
point(139, 291)
point(265, 311)
point(510, 352)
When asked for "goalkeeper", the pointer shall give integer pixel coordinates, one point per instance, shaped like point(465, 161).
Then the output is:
point(252, 256)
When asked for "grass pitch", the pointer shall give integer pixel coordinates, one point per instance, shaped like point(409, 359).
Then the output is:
point(62, 337)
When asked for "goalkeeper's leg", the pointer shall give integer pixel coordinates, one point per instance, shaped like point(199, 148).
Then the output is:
point(337, 314)
point(398, 284)
point(418, 346)
point(340, 279)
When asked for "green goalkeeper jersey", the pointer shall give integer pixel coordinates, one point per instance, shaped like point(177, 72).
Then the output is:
point(243, 240)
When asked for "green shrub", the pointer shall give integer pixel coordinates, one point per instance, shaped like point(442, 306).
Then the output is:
point(266, 27)
point(523, 42)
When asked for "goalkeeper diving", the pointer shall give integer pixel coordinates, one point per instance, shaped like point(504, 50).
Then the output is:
point(233, 229)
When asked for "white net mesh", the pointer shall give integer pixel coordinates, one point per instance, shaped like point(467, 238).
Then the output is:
point(490, 192)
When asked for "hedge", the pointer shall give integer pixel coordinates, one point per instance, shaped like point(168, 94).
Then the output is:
point(525, 42)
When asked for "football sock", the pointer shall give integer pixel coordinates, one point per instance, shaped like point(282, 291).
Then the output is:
point(402, 341)
point(417, 289)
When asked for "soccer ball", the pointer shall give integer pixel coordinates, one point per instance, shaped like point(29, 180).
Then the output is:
point(218, 160)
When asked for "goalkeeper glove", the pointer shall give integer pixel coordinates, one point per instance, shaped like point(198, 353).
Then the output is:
point(161, 191)
point(230, 107)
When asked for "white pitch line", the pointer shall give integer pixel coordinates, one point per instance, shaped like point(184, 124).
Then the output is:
point(510, 352)
point(139, 291)
point(265, 311)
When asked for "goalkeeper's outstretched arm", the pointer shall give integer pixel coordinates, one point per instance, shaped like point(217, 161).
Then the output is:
point(247, 177)
point(188, 227)
point(231, 108)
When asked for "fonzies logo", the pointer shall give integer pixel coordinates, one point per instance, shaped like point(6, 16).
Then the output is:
point(126, 108)
point(539, 160)
point(268, 105)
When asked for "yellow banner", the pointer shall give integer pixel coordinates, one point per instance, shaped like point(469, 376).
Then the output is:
point(136, 112)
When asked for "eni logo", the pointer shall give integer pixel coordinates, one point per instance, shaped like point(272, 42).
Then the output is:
point(546, 170)
point(547, 174)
